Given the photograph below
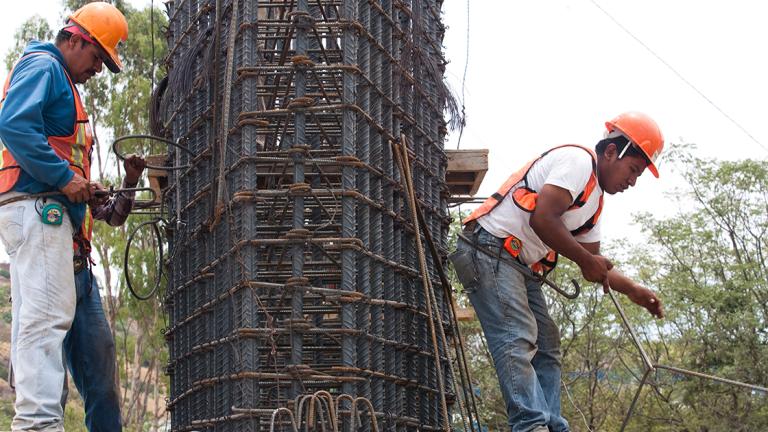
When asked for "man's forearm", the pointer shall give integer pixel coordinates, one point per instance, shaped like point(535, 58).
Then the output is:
point(621, 283)
point(554, 234)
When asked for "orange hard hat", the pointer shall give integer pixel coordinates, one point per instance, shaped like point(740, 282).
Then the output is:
point(643, 132)
point(107, 25)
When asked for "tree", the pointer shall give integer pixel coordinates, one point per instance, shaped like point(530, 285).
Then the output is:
point(712, 266)
point(36, 28)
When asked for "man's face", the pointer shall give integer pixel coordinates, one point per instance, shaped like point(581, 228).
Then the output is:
point(85, 61)
point(617, 175)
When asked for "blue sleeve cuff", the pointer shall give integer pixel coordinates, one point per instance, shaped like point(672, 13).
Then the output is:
point(65, 179)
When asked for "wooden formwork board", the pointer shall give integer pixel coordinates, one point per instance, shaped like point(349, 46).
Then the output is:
point(466, 170)
point(158, 179)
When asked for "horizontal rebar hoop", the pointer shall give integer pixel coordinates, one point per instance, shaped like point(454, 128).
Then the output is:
point(293, 263)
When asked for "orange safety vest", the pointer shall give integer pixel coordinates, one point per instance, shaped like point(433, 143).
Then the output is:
point(75, 149)
point(525, 198)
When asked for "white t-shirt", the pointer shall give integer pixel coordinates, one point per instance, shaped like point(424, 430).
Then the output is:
point(566, 167)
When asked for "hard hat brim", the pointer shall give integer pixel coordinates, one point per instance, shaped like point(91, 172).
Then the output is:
point(652, 168)
point(112, 61)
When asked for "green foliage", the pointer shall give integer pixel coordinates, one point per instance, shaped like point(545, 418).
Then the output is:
point(713, 269)
point(6, 413)
point(35, 28)
point(74, 415)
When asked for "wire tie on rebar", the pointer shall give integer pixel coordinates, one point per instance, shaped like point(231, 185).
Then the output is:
point(299, 189)
point(298, 234)
point(349, 160)
point(302, 62)
point(301, 19)
point(243, 195)
point(298, 370)
point(352, 297)
point(296, 281)
point(246, 196)
point(299, 148)
point(252, 122)
point(301, 102)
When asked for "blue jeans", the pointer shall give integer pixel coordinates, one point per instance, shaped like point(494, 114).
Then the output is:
point(43, 292)
point(523, 339)
point(90, 353)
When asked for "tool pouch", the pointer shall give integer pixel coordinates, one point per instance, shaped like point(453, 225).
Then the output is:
point(465, 264)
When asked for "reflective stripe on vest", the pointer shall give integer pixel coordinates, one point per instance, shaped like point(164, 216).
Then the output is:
point(75, 148)
point(525, 198)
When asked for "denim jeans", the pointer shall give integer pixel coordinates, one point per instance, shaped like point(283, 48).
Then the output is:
point(90, 352)
point(43, 306)
point(523, 339)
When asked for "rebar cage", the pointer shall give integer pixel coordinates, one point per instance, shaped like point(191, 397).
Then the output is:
point(293, 263)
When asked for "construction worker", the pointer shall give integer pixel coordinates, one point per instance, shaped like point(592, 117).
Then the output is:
point(47, 141)
point(551, 206)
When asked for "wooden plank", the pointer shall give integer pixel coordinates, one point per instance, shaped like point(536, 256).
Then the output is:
point(467, 160)
point(466, 170)
point(157, 178)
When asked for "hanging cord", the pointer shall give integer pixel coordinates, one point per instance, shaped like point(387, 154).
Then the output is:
point(463, 86)
point(177, 144)
point(155, 223)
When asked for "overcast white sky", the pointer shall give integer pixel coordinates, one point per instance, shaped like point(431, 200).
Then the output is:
point(548, 72)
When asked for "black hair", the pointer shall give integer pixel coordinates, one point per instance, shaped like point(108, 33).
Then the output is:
point(620, 142)
point(64, 36)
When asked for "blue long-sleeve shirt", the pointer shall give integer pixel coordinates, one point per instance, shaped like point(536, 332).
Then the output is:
point(40, 104)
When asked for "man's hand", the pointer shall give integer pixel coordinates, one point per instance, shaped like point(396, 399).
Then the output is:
point(78, 189)
point(647, 299)
point(596, 269)
point(99, 199)
point(134, 165)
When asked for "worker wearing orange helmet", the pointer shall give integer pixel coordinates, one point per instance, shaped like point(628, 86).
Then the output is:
point(46, 146)
point(550, 207)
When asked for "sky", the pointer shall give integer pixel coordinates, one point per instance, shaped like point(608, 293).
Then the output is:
point(542, 73)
